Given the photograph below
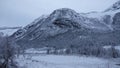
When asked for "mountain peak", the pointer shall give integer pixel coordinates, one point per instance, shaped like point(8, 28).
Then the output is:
point(64, 12)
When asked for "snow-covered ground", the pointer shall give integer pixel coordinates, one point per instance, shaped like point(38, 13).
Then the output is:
point(116, 47)
point(36, 50)
point(63, 61)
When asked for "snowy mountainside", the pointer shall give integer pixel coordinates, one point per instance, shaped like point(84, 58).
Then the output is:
point(65, 25)
point(114, 7)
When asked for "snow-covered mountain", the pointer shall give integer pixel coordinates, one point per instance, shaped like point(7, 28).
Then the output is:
point(64, 27)
point(114, 7)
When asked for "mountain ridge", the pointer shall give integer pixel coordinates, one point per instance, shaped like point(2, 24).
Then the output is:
point(64, 27)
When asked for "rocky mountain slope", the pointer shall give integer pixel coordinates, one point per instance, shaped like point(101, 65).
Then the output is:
point(65, 27)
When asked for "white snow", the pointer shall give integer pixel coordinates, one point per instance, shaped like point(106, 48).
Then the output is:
point(62, 61)
point(40, 50)
point(100, 15)
point(117, 47)
point(108, 47)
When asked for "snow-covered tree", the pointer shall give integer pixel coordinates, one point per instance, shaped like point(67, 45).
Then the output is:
point(114, 53)
point(7, 53)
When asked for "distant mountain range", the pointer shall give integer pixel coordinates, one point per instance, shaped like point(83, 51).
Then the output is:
point(65, 27)
point(4, 28)
point(8, 30)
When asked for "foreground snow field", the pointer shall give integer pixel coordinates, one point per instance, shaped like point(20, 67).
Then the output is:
point(63, 61)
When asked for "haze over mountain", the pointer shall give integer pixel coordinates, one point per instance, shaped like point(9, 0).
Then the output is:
point(65, 27)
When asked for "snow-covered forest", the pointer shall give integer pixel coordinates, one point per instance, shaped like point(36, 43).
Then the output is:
point(13, 56)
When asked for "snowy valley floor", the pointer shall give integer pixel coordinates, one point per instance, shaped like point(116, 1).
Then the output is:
point(63, 61)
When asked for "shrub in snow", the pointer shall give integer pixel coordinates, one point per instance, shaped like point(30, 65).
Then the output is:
point(7, 53)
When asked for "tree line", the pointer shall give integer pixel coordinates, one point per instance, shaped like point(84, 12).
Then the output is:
point(88, 50)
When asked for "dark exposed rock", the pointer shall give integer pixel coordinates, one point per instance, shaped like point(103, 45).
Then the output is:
point(116, 21)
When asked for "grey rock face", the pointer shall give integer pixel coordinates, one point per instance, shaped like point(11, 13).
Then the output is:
point(116, 21)
point(107, 19)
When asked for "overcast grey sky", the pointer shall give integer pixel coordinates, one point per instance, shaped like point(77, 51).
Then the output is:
point(23, 12)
